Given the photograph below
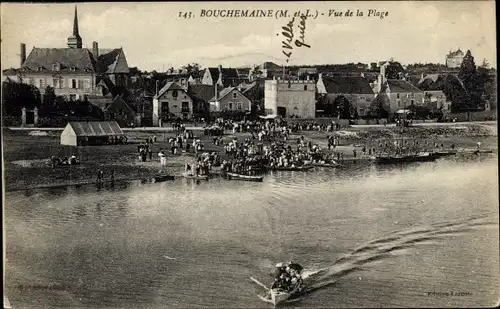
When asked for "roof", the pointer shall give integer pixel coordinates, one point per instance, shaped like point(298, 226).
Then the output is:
point(109, 60)
point(433, 77)
point(270, 66)
point(397, 85)
point(79, 58)
point(307, 70)
point(229, 73)
point(224, 92)
point(112, 61)
point(214, 72)
point(9, 71)
point(96, 128)
point(169, 86)
point(456, 53)
point(118, 100)
point(347, 84)
point(201, 92)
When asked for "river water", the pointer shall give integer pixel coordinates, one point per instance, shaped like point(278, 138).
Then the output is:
point(418, 235)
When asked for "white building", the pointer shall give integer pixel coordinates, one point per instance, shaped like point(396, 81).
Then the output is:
point(289, 98)
point(454, 59)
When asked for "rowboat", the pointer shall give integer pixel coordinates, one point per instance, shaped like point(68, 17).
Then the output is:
point(161, 178)
point(235, 176)
point(198, 177)
point(278, 296)
point(421, 157)
point(290, 168)
point(440, 154)
point(329, 165)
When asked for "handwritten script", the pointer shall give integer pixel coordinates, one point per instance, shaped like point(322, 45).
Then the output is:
point(290, 39)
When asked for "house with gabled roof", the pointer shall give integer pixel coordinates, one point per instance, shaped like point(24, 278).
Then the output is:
point(201, 96)
point(224, 77)
point(230, 99)
point(172, 101)
point(121, 112)
point(356, 89)
point(74, 72)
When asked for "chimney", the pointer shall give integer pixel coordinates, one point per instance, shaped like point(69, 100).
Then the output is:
point(23, 53)
point(95, 49)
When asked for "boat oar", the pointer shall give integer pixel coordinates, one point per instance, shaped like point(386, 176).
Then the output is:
point(259, 283)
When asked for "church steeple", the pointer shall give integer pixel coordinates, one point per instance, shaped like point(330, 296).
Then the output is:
point(75, 24)
point(75, 41)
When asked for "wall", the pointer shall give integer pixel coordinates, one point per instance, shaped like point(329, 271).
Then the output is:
point(240, 98)
point(405, 102)
point(292, 96)
point(175, 104)
point(207, 78)
point(87, 83)
point(362, 105)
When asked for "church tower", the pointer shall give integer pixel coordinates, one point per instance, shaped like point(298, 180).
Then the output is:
point(75, 41)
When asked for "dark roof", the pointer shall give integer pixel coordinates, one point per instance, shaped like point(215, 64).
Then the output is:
point(270, 66)
point(347, 84)
point(109, 60)
point(117, 102)
point(169, 86)
point(80, 58)
point(96, 128)
point(214, 72)
point(9, 71)
point(229, 73)
point(201, 92)
point(397, 85)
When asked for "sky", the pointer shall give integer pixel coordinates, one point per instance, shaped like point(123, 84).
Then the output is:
point(154, 37)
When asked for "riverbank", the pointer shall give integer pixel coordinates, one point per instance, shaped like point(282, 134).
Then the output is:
point(26, 155)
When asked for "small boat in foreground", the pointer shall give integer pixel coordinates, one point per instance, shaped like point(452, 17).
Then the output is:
point(288, 285)
point(234, 176)
point(440, 154)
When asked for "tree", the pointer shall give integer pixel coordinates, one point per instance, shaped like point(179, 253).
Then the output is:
point(380, 106)
point(393, 70)
point(48, 102)
point(472, 83)
point(344, 108)
point(16, 95)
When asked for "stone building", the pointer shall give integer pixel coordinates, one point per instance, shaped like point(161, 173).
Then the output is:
point(290, 98)
point(454, 59)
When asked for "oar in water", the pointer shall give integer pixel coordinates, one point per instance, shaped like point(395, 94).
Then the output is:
point(259, 283)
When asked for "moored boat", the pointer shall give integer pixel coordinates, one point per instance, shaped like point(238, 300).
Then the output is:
point(444, 153)
point(290, 168)
point(234, 176)
point(329, 165)
point(420, 157)
point(198, 177)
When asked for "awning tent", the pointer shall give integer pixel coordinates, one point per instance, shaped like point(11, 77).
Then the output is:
point(81, 133)
point(403, 111)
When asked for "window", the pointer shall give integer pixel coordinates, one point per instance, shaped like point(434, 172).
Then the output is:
point(399, 102)
point(174, 94)
point(56, 67)
point(239, 104)
point(362, 98)
point(87, 83)
point(40, 83)
point(235, 95)
point(305, 87)
point(55, 83)
point(72, 69)
point(80, 84)
point(412, 101)
point(230, 105)
point(40, 69)
point(61, 83)
point(73, 83)
point(397, 95)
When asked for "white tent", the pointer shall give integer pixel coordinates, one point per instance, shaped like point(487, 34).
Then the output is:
point(76, 132)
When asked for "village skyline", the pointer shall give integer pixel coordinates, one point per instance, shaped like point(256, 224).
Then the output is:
point(432, 28)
